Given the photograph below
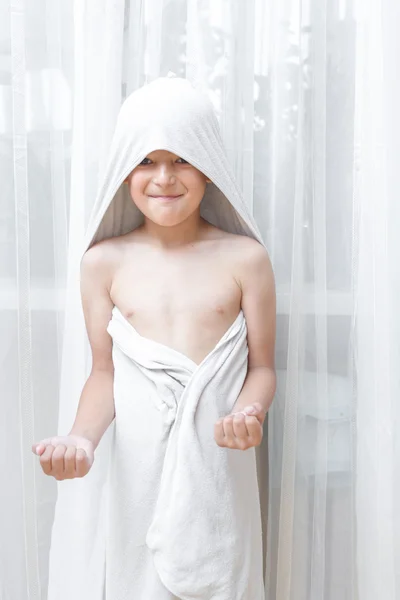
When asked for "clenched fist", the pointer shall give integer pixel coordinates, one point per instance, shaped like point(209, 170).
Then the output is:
point(65, 457)
point(241, 430)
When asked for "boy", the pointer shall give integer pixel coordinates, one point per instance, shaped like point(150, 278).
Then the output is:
point(180, 316)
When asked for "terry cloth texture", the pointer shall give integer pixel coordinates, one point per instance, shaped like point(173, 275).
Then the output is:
point(173, 491)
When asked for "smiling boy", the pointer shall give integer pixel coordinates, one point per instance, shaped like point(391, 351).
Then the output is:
point(167, 306)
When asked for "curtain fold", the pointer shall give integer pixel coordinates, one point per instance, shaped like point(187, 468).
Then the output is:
point(307, 98)
point(27, 561)
point(376, 315)
point(35, 88)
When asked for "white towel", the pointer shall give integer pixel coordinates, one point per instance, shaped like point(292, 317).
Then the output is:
point(98, 544)
point(168, 114)
point(195, 505)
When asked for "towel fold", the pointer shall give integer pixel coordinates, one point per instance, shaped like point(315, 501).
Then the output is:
point(193, 504)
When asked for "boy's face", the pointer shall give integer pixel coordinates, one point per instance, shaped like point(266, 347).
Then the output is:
point(165, 188)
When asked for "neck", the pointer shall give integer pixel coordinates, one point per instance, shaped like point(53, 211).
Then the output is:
point(175, 236)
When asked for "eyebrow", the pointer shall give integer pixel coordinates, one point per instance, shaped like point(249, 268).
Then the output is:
point(175, 156)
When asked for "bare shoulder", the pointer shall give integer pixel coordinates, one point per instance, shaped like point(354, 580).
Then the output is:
point(254, 265)
point(103, 252)
point(249, 257)
point(101, 259)
point(253, 252)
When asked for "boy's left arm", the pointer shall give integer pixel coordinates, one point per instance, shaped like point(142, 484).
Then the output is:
point(242, 429)
point(259, 308)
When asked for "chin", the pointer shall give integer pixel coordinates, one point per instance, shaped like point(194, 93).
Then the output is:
point(167, 220)
point(168, 216)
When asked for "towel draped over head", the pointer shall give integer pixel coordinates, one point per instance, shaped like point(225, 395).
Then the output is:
point(168, 114)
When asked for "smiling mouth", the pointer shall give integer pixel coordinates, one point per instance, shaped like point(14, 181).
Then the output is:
point(167, 197)
point(162, 196)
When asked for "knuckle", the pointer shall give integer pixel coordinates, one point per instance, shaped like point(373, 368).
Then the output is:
point(255, 440)
point(81, 470)
point(61, 447)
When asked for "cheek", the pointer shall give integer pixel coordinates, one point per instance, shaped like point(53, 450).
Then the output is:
point(138, 183)
point(195, 184)
point(137, 188)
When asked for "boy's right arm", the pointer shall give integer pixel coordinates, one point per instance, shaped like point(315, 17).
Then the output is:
point(72, 455)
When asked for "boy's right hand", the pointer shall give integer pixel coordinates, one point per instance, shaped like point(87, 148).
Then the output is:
point(65, 457)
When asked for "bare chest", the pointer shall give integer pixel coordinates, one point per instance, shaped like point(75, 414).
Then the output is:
point(185, 305)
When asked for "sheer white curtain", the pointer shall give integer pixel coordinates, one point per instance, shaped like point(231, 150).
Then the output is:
point(307, 96)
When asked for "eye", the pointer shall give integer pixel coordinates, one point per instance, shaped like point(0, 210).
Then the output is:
point(185, 162)
point(145, 163)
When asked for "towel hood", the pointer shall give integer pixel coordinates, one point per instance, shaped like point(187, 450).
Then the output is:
point(167, 114)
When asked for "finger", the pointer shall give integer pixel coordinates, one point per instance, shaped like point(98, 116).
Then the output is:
point(219, 432)
point(242, 440)
point(255, 430)
point(57, 461)
point(39, 447)
point(82, 463)
point(239, 427)
point(229, 436)
point(257, 410)
point(45, 459)
point(69, 462)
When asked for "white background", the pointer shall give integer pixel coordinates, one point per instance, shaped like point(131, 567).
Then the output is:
point(307, 96)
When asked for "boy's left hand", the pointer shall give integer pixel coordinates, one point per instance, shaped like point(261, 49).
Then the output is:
point(241, 430)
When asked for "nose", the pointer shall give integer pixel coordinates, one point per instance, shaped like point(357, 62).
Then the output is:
point(164, 176)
